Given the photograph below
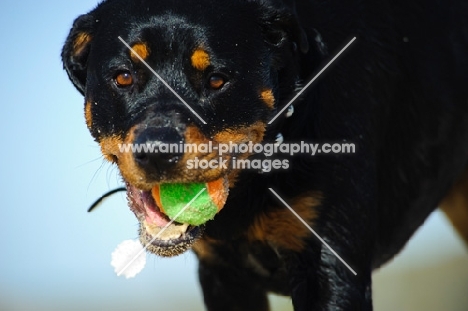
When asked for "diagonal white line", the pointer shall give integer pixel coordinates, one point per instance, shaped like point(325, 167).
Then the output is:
point(312, 230)
point(311, 81)
point(160, 232)
point(162, 80)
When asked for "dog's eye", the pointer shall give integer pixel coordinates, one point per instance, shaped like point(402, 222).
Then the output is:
point(124, 79)
point(216, 82)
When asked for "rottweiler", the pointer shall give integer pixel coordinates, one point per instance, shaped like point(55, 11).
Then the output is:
point(389, 78)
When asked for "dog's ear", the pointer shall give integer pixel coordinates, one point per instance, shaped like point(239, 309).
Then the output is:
point(280, 25)
point(75, 52)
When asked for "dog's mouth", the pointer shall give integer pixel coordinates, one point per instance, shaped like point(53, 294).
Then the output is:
point(158, 232)
point(160, 184)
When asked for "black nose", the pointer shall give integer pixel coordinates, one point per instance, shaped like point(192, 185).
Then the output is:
point(158, 149)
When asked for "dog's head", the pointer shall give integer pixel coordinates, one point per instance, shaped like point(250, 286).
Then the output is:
point(175, 72)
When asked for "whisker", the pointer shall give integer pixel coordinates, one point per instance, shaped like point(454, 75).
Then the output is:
point(104, 196)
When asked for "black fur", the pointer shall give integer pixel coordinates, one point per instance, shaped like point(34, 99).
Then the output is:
point(399, 93)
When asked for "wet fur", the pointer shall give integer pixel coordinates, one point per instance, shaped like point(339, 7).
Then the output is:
point(399, 93)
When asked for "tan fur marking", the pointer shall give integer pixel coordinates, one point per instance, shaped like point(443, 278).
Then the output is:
point(281, 228)
point(141, 49)
point(129, 169)
point(125, 161)
point(194, 136)
point(204, 249)
point(455, 206)
point(88, 115)
point(110, 147)
point(239, 135)
point(268, 98)
point(200, 59)
point(253, 133)
point(80, 43)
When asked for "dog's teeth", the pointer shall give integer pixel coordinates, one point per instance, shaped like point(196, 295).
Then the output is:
point(290, 111)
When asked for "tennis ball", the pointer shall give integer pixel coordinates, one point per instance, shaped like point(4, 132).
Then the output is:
point(172, 198)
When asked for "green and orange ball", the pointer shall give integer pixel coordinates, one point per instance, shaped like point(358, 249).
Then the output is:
point(172, 198)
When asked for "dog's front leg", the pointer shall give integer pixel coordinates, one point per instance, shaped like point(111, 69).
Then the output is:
point(335, 273)
point(320, 281)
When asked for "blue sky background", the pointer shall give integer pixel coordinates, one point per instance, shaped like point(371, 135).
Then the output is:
point(54, 255)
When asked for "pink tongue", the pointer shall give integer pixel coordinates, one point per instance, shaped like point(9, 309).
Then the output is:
point(153, 216)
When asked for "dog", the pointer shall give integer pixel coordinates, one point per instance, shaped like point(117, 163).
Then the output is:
point(388, 78)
